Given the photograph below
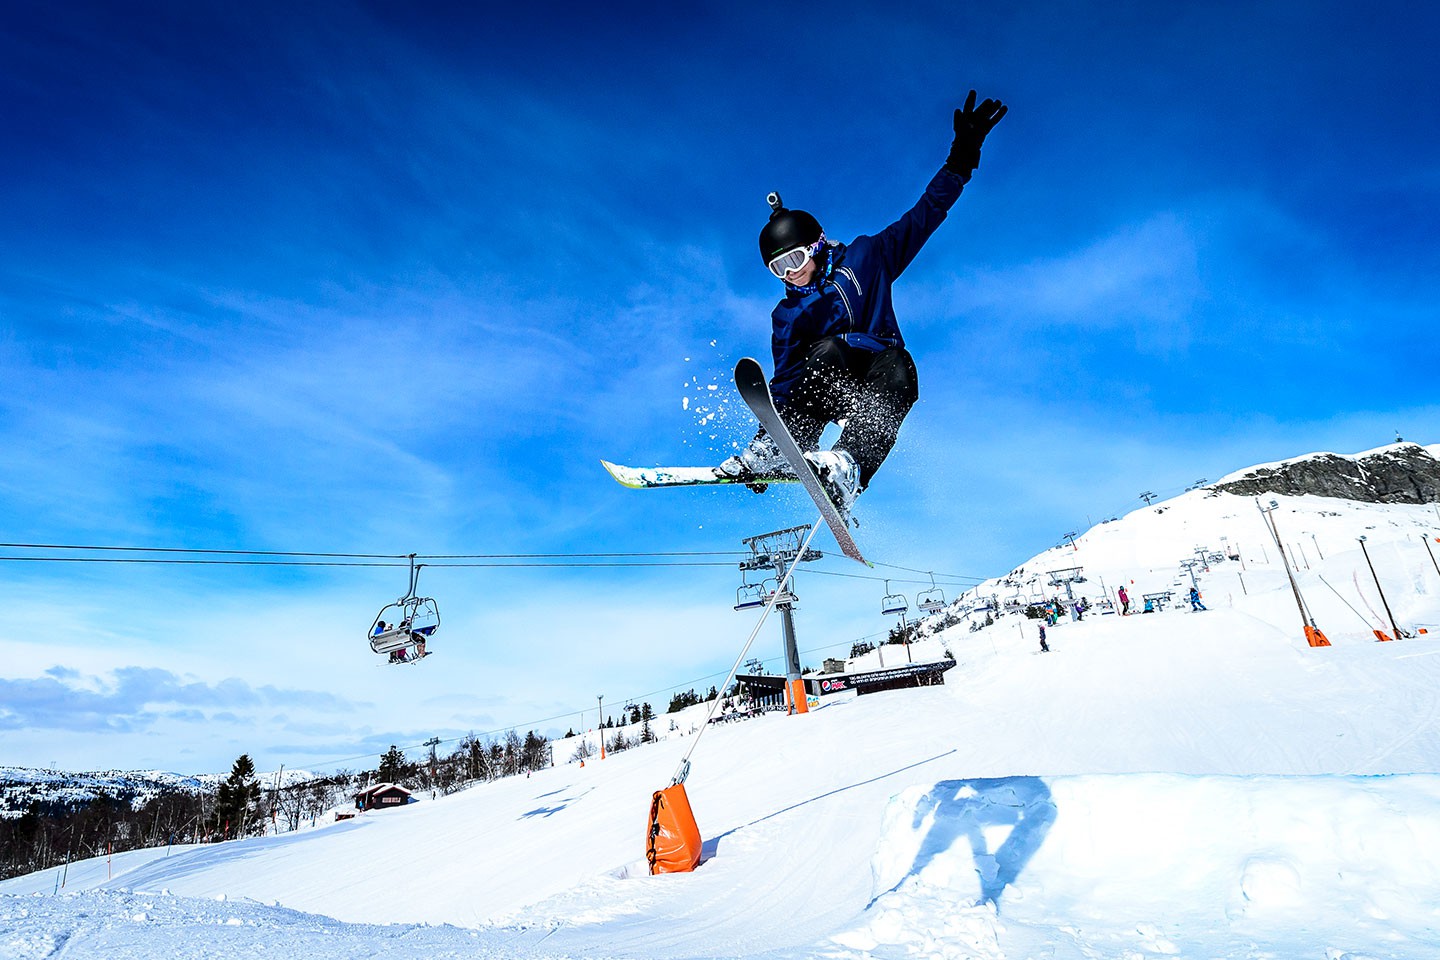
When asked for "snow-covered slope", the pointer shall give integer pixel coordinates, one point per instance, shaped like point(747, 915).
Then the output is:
point(1145, 552)
point(1200, 784)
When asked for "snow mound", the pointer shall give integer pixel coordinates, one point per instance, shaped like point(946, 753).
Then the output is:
point(1252, 856)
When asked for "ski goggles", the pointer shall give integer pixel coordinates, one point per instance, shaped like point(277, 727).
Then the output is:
point(794, 260)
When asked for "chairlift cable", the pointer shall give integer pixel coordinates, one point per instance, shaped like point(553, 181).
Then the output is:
point(336, 559)
point(250, 553)
point(930, 573)
point(541, 556)
point(874, 579)
point(352, 563)
point(243, 563)
point(369, 556)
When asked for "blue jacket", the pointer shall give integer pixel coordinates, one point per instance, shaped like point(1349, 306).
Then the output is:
point(852, 298)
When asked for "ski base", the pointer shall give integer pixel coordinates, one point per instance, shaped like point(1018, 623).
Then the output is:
point(646, 478)
point(755, 391)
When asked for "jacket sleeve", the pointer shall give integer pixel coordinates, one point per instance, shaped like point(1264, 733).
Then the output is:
point(901, 241)
point(789, 358)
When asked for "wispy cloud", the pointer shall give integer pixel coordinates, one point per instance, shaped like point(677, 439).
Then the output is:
point(1145, 278)
point(134, 699)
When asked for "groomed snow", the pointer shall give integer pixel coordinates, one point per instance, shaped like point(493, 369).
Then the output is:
point(1186, 784)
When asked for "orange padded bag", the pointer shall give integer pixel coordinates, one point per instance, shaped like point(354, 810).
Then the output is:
point(672, 841)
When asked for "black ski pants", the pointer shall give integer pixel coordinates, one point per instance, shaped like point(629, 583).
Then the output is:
point(871, 392)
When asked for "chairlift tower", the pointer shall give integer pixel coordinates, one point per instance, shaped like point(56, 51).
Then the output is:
point(1065, 577)
point(779, 550)
point(1190, 566)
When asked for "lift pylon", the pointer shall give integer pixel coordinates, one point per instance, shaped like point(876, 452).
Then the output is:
point(779, 550)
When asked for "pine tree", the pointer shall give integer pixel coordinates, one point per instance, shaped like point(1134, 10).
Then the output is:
point(680, 701)
point(536, 751)
point(393, 767)
point(237, 801)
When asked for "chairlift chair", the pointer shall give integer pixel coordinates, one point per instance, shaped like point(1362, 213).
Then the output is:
point(932, 600)
point(750, 596)
point(893, 604)
point(753, 595)
point(409, 621)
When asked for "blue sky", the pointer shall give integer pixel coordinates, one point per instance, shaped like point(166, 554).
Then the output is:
point(361, 281)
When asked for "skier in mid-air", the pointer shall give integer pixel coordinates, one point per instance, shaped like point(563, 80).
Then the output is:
point(837, 346)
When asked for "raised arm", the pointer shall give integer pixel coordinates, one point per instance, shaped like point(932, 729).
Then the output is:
point(902, 240)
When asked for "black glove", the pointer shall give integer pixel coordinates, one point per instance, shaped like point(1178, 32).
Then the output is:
point(972, 123)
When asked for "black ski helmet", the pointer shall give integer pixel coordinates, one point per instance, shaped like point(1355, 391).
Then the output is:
point(786, 230)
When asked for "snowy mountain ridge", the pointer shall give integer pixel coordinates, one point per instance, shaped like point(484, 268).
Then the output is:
point(20, 787)
point(1396, 473)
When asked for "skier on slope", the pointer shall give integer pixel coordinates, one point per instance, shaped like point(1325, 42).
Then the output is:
point(837, 346)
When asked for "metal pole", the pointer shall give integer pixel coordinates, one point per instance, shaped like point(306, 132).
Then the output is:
point(794, 686)
point(600, 721)
point(1294, 588)
point(1426, 540)
point(793, 683)
point(1383, 601)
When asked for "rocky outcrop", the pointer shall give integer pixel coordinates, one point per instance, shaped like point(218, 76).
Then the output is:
point(1401, 473)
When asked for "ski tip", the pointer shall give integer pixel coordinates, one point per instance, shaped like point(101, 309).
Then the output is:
point(748, 370)
point(621, 475)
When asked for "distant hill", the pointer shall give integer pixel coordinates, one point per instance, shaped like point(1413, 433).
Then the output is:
point(1399, 473)
point(21, 787)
